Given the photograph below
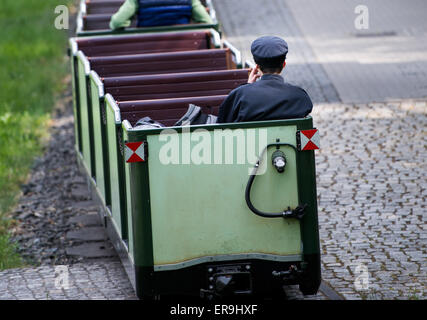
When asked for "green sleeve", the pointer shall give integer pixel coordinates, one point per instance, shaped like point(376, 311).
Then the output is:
point(199, 13)
point(122, 18)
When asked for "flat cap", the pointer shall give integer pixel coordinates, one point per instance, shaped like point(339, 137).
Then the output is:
point(269, 51)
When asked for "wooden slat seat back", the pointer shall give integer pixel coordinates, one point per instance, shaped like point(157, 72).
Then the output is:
point(145, 43)
point(103, 7)
point(176, 85)
point(161, 63)
point(100, 21)
point(167, 111)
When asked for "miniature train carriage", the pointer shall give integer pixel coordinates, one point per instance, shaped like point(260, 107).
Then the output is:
point(201, 219)
point(209, 210)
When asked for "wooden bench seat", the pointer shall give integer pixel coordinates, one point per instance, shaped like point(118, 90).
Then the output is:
point(176, 85)
point(100, 22)
point(167, 111)
point(161, 63)
point(103, 7)
point(144, 43)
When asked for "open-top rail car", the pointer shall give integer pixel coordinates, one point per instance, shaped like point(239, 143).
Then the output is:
point(192, 210)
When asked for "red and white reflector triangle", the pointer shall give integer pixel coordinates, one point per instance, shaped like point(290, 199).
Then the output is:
point(310, 139)
point(134, 152)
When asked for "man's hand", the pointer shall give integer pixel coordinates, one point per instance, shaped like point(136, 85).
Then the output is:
point(254, 75)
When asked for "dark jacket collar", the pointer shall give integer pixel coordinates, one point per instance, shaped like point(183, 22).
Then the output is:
point(271, 76)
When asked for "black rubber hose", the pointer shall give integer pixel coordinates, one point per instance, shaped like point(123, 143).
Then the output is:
point(250, 205)
point(251, 180)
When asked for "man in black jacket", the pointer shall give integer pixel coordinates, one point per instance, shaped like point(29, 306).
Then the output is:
point(270, 98)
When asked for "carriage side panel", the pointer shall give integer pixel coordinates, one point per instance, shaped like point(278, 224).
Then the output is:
point(84, 116)
point(116, 168)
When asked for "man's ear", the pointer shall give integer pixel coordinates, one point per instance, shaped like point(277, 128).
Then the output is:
point(284, 64)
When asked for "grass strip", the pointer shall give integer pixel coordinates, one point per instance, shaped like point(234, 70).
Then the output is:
point(33, 64)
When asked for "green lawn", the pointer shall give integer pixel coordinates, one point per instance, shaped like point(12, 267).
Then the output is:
point(33, 65)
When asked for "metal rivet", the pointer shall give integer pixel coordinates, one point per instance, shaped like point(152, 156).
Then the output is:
point(210, 270)
point(211, 278)
point(248, 267)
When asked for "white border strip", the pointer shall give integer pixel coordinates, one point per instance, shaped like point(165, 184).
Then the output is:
point(126, 125)
point(216, 38)
point(81, 56)
point(79, 22)
point(73, 46)
point(83, 8)
point(94, 76)
point(115, 107)
point(235, 52)
point(212, 11)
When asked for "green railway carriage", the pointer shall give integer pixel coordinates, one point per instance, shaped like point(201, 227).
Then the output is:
point(190, 230)
point(210, 210)
point(201, 208)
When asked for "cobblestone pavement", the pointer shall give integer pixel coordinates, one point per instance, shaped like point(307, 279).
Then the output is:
point(81, 281)
point(100, 280)
point(372, 187)
point(386, 61)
